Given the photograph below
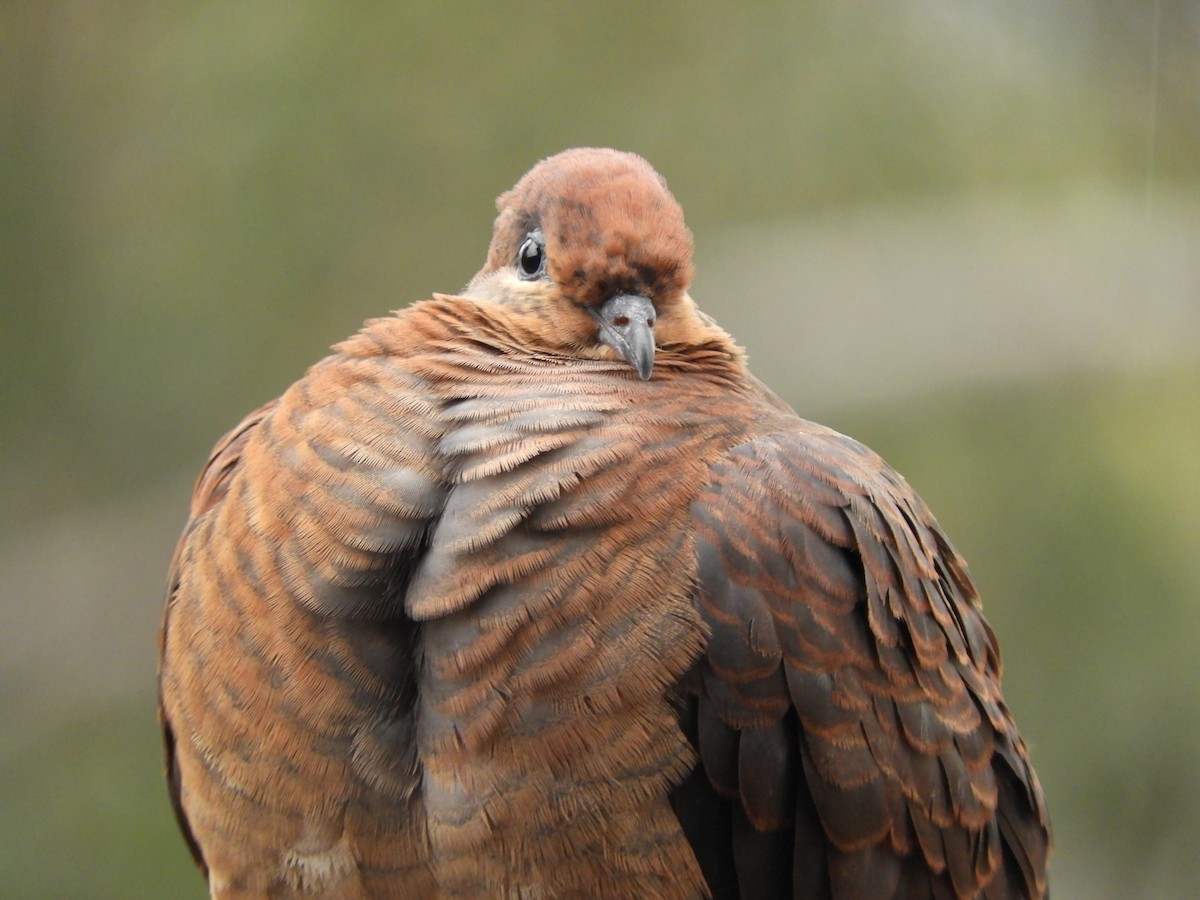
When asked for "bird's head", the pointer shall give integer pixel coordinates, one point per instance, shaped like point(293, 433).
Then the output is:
point(591, 249)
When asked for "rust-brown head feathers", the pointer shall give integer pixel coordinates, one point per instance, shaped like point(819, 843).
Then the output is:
point(609, 222)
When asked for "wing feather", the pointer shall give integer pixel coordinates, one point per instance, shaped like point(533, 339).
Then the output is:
point(833, 597)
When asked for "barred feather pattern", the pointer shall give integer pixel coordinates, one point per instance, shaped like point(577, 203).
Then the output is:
point(851, 687)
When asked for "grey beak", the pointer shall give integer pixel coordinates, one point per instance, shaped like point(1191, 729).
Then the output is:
point(627, 325)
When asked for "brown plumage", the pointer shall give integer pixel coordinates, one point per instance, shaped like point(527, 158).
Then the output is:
point(537, 592)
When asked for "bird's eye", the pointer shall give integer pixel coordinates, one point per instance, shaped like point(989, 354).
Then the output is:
point(531, 258)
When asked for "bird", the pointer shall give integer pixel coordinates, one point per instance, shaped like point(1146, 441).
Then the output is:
point(534, 590)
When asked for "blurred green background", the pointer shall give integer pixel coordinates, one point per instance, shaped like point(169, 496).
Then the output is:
point(966, 233)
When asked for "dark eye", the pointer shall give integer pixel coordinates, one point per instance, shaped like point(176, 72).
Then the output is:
point(531, 258)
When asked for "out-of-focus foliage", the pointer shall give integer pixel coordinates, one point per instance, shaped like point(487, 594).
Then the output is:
point(197, 198)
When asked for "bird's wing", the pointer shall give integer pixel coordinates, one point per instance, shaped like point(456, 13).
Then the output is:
point(211, 486)
point(213, 481)
point(849, 713)
point(286, 599)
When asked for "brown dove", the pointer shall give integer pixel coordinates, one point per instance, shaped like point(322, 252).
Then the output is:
point(535, 591)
